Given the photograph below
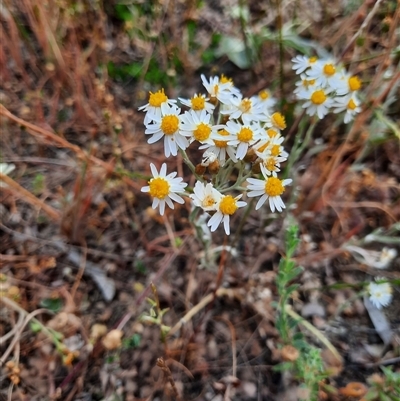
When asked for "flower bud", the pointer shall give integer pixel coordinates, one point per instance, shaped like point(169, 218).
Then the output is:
point(213, 167)
point(256, 169)
point(250, 156)
point(200, 169)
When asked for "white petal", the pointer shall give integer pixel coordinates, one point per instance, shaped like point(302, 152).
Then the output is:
point(163, 170)
point(255, 193)
point(241, 150)
point(226, 224)
point(169, 202)
point(215, 220)
point(261, 201)
point(153, 170)
point(181, 141)
point(271, 204)
point(155, 138)
point(167, 150)
point(255, 181)
point(162, 207)
point(176, 198)
point(172, 146)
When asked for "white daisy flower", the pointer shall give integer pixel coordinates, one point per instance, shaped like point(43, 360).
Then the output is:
point(153, 108)
point(167, 125)
point(164, 188)
point(271, 133)
point(272, 164)
point(205, 196)
point(275, 120)
point(198, 103)
point(225, 207)
point(349, 103)
point(270, 188)
point(344, 83)
point(218, 89)
point(265, 99)
point(301, 63)
point(197, 126)
point(386, 257)
point(247, 109)
point(380, 294)
point(318, 101)
point(323, 71)
point(220, 147)
point(305, 84)
point(272, 147)
point(232, 88)
point(243, 136)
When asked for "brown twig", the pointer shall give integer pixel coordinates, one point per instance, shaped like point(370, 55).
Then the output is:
point(30, 198)
point(234, 358)
point(363, 26)
point(28, 317)
point(168, 376)
point(201, 305)
point(59, 141)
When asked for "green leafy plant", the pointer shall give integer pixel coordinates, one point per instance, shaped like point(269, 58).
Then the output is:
point(287, 272)
point(301, 358)
point(384, 388)
point(156, 314)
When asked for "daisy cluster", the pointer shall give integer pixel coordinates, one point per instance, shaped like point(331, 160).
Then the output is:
point(233, 132)
point(325, 85)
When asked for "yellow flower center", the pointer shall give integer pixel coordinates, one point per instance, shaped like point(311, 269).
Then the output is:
point(159, 187)
point(221, 144)
point(354, 83)
point(312, 60)
point(158, 98)
point(228, 205)
point(197, 103)
point(270, 164)
point(274, 187)
point(169, 124)
point(225, 79)
point(351, 105)
point(245, 135)
point(202, 132)
point(216, 88)
point(271, 133)
point(329, 69)
point(263, 95)
point(318, 97)
point(308, 82)
point(278, 120)
point(263, 147)
point(208, 201)
point(245, 105)
point(275, 150)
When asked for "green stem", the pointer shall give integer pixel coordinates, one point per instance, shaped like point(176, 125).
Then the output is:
point(246, 213)
point(299, 146)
